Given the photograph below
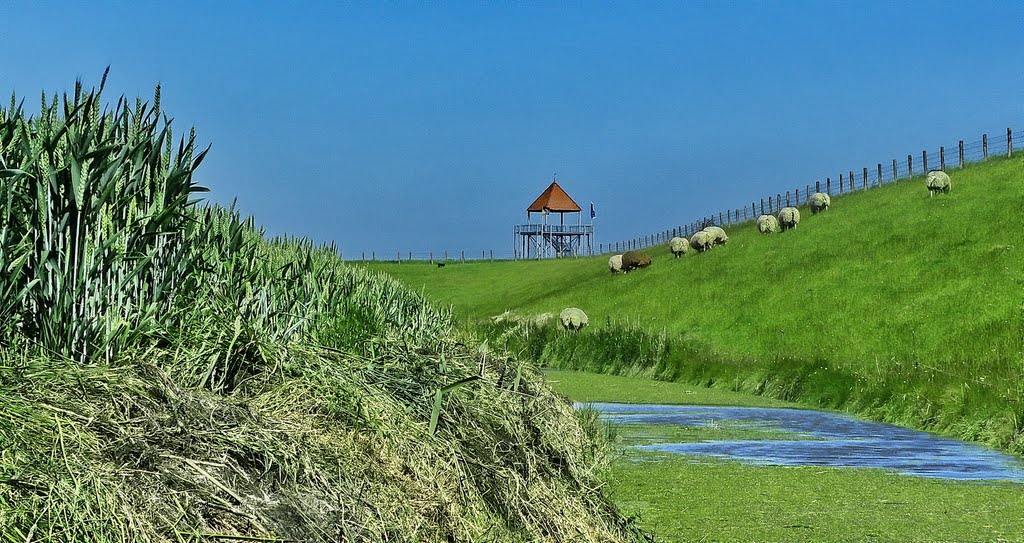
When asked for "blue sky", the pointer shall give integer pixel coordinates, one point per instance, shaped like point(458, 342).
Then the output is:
point(431, 126)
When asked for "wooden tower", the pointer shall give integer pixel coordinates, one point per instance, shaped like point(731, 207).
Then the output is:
point(547, 238)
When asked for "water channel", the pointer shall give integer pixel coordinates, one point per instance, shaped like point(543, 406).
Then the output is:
point(818, 438)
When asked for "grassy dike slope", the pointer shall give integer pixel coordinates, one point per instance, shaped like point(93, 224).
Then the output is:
point(893, 304)
point(168, 373)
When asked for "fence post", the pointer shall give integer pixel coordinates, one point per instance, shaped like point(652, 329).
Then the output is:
point(942, 158)
point(431, 257)
point(753, 209)
point(895, 171)
point(364, 256)
point(910, 166)
point(961, 154)
point(840, 183)
point(446, 255)
point(1009, 143)
point(879, 174)
point(828, 185)
point(373, 256)
point(865, 179)
point(817, 186)
point(492, 255)
point(807, 192)
point(797, 195)
point(762, 206)
point(924, 162)
point(851, 181)
point(770, 207)
point(787, 199)
point(984, 146)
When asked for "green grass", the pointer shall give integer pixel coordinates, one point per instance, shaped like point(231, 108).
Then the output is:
point(893, 305)
point(595, 387)
point(689, 498)
point(679, 500)
point(169, 374)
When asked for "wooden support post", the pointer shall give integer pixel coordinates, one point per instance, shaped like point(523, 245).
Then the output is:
point(463, 255)
point(942, 158)
point(851, 180)
point(895, 171)
point(828, 185)
point(1009, 142)
point(373, 256)
point(431, 257)
point(961, 154)
point(924, 162)
point(840, 183)
point(817, 186)
point(720, 221)
point(762, 206)
point(492, 254)
point(879, 174)
point(984, 146)
point(787, 199)
point(753, 209)
point(865, 179)
point(446, 255)
point(910, 166)
point(778, 200)
point(364, 256)
point(770, 207)
point(797, 194)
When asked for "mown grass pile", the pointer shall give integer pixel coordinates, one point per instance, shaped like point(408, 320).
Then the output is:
point(169, 374)
point(902, 307)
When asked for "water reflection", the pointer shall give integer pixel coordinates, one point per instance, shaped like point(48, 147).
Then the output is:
point(835, 440)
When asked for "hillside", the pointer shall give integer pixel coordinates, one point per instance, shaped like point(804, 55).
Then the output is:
point(168, 373)
point(889, 293)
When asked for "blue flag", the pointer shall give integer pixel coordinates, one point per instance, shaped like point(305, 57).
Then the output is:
point(592, 212)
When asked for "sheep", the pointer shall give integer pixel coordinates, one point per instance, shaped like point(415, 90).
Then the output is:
point(819, 202)
point(718, 236)
point(767, 224)
point(633, 260)
point(679, 246)
point(573, 318)
point(702, 241)
point(615, 263)
point(938, 181)
point(789, 217)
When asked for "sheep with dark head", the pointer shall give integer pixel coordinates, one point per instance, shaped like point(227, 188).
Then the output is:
point(789, 217)
point(938, 181)
point(819, 202)
point(718, 235)
point(702, 241)
point(678, 246)
point(767, 224)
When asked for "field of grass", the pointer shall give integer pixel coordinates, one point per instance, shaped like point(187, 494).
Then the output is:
point(595, 387)
point(680, 498)
point(891, 304)
point(167, 373)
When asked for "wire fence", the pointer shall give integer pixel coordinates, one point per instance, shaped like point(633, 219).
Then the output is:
point(945, 157)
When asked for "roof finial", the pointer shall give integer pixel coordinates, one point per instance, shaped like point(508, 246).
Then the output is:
point(554, 177)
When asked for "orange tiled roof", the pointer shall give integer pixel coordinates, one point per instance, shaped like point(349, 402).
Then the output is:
point(555, 199)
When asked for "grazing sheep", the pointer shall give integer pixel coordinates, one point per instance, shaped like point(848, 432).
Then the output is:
point(789, 217)
point(820, 202)
point(615, 263)
point(679, 246)
point(718, 235)
point(767, 224)
point(573, 318)
point(633, 260)
point(938, 181)
point(702, 241)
